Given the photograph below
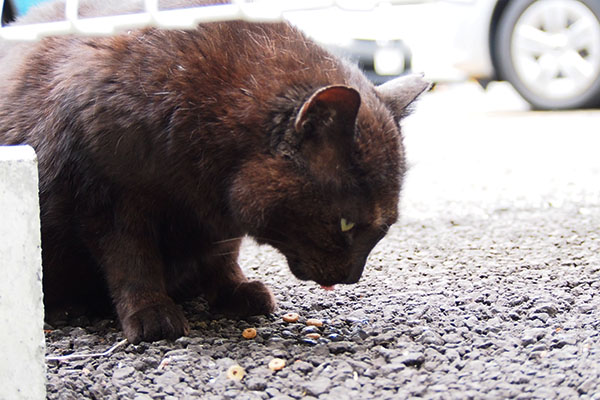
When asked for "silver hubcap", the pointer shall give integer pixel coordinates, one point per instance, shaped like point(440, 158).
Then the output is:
point(556, 48)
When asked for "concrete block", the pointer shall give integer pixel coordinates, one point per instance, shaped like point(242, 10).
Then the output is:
point(22, 345)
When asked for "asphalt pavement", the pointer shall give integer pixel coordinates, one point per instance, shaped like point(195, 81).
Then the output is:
point(487, 288)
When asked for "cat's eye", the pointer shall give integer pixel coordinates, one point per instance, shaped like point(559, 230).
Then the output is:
point(346, 225)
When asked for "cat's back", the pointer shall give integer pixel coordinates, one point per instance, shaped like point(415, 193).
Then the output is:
point(277, 49)
point(217, 84)
point(204, 64)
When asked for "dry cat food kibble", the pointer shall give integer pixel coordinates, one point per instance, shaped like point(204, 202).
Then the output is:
point(291, 317)
point(249, 333)
point(236, 373)
point(314, 322)
point(276, 364)
point(313, 335)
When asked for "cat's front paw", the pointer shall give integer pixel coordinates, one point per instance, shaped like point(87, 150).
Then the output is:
point(155, 322)
point(246, 299)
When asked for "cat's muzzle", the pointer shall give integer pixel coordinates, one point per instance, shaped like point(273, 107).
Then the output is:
point(329, 276)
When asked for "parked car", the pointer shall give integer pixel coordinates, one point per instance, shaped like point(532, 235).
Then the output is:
point(366, 32)
point(549, 50)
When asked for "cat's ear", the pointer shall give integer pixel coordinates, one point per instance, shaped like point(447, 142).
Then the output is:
point(399, 93)
point(325, 128)
point(340, 103)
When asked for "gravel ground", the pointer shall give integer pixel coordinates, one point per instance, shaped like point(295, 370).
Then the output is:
point(486, 289)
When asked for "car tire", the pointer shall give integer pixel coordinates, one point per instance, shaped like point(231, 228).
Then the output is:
point(549, 50)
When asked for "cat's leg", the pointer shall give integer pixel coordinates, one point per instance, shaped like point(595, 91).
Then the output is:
point(241, 298)
point(134, 273)
point(128, 253)
point(228, 290)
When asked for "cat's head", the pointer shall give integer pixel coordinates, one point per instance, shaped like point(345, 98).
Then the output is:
point(326, 190)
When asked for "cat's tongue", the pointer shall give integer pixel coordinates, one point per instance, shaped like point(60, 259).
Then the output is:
point(328, 288)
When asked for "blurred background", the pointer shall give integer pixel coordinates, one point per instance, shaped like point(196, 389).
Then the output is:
point(511, 121)
point(548, 50)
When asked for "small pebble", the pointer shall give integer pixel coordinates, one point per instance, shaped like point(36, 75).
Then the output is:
point(236, 373)
point(334, 337)
point(257, 384)
point(291, 317)
point(313, 335)
point(309, 341)
point(249, 333)
point(341, 347)
point(314, 322)
point(122, 373)
point(287, 334)
point(302, 366)
point(276, 364)
point(310, 329)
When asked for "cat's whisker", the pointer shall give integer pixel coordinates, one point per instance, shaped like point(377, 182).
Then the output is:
point(384, 228)
point(271, 240)
point(228, 240)
point(227, 253)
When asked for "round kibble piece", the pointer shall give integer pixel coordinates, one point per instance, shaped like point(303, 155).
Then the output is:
point(314, 322)
point(291, 317)
point(276, 364)
point(236, 373)
point(249, 333)
point(313, 335)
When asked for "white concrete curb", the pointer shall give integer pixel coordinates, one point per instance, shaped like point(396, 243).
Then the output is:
point(22, 345)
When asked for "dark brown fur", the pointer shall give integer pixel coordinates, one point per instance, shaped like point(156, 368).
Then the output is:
point(160, 149)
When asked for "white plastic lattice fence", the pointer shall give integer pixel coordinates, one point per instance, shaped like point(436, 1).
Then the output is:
point(249, 10)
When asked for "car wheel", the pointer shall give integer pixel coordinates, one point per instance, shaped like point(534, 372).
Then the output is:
point(549, 50)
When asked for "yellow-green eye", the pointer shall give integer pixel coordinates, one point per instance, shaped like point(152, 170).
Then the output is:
point(346, 225)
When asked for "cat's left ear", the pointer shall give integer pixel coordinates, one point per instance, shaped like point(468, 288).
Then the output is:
point(399, 93)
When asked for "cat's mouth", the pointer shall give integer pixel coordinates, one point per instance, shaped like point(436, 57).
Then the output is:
point(330, 278)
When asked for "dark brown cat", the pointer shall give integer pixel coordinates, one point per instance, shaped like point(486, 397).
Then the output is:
point(160, 149)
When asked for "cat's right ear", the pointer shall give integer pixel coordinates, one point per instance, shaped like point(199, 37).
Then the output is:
point(342, 101)
point(398, 94)
point(325, 130)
